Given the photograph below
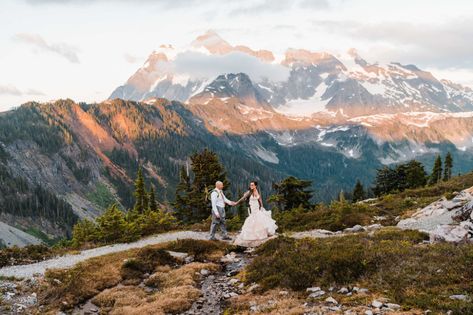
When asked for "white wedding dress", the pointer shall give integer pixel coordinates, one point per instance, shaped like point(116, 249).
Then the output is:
point(258, 226)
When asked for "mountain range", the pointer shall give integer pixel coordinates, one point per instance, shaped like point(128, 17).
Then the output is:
point(328, 118)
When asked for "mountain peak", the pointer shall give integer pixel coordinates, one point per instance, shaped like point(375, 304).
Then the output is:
point(212, 42)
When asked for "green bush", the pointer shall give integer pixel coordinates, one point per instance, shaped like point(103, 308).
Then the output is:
point(334, 217)
point(145, 261)
point(392, 262)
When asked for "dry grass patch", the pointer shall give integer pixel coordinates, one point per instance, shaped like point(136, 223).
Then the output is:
point(66, 288)
point(177, 292)
point(186, 275)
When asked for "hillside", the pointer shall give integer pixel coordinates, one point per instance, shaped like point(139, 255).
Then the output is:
point(71, 160)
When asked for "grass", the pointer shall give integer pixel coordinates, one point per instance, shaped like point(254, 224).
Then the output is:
point(334, 217)
point(340, 215)
point(42, 236)
point(101, 196)
point(99, 278)
point(391, 262)
point(24, 255)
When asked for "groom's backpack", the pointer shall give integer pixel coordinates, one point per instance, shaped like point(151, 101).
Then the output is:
point(208, 194)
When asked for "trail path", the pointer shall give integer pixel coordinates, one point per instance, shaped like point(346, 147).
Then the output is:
point(27, 271)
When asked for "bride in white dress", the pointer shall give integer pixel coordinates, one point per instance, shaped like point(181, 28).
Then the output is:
point(258, 226)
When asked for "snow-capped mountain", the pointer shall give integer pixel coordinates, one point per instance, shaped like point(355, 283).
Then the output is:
point(334, 102)
point(316, 81)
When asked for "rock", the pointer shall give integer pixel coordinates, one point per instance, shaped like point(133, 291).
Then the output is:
point(355, 229)
point(232, 273)
point(343, 290)
point(283, 293)
point(331, 300)
point(233, 281)
point(355, 289)
point(377, 304)
point(230, 258)
point(30, 299)
point(363, 290)
point(178, 255)
point(450, 233)
point(316, 294)
point(393, 306)
point(313, 289)
point(373, 227)
point(460, 297)
point(204, 272)
point(368, 312)
point(253, 287)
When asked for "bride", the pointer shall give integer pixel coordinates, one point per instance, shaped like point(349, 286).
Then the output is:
point(259, 225)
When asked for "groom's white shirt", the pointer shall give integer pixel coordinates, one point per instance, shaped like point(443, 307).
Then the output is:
point(218, 200)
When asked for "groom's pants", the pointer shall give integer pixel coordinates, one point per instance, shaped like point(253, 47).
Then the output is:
point(218, 221)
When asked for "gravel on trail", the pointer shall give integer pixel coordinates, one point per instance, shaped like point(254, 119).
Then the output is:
point(27, 271)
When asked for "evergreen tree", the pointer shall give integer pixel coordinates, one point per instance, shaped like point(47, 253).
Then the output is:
point(153, 205)
point(448, 165)
point(111, 226)
point(436, 174)
point(181, 203)
point(292, 193)
point(141, 196)
point(207, 170)
point(84, 231)
point(415, 174)
point(385, 181)
point(358, 192)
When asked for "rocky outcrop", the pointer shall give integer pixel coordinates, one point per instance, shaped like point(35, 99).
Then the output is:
point(445, 220)
point(11, 236)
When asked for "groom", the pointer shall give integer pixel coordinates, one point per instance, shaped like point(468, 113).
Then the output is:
point(219, 200)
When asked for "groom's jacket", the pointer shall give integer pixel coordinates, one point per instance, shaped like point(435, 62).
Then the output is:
point(218, 199)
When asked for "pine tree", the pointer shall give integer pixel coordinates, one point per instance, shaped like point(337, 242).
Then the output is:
point(141, 196)
point(447, 173)
point(84, 231)
point(111, 226)
point(358, 192)
point(415, 174)
point(385, 182)
point(292, 193)
point(181, 203)
point(436, 174)
point(153, 205)
point(207, 170)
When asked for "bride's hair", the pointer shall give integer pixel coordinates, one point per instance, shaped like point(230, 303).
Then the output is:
point(256, 185)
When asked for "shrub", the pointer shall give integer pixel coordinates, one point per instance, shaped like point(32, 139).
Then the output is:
point(336, 216)
point(24, 255)
point(390, 261)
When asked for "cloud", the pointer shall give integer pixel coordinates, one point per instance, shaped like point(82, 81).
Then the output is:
point(199, 65)
point(65, 50)
point(12, 90)
point(443, 45)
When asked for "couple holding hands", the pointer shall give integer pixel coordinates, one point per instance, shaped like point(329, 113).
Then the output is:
point(258, 226)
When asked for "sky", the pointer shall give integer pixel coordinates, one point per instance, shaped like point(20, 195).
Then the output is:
point(84, 49)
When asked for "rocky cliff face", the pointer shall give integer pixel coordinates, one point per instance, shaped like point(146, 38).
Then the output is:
point(445, 220)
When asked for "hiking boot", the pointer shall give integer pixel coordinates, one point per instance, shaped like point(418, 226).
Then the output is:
point(226, 238)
